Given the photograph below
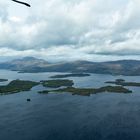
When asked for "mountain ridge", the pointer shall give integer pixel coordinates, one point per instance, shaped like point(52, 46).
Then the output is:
point(32, 64)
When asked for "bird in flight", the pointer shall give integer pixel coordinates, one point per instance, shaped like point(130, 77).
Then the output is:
point(22, 3)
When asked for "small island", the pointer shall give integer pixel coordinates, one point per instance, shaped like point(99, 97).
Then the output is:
point(57, 83)
point(17, 86)
point(71, 75)
point(89, 91)
point(123, 83)
point(3, 80)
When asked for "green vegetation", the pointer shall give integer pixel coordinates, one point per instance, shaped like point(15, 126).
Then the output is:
point(123, 83)
point(57, 83)
point(3, 80)
point(17, 86)
point(71, 75)
point(88, 91)
point(44, 92)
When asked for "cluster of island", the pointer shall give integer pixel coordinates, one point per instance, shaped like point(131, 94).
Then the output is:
point(65, 85)
point(123, 83)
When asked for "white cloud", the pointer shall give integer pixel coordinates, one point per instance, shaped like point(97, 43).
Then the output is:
point(71, 29)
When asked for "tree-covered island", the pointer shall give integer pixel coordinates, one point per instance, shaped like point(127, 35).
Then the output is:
point(88, 91)
point(71, 75)
point(17, 86)
point(3, 80)
point(57, 83)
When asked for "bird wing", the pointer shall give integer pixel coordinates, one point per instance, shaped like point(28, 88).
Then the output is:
point(22, 3)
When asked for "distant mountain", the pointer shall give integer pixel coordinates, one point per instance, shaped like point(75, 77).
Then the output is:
point(26, 63)
point(31, 64)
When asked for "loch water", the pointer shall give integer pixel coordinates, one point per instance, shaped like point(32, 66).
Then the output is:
point(103, 116)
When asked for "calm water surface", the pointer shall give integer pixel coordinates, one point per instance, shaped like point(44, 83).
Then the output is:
point(104, 116)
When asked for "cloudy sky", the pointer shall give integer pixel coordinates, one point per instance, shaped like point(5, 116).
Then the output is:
point(59, 30)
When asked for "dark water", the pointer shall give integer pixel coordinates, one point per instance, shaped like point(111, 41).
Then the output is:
point(105, 116)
